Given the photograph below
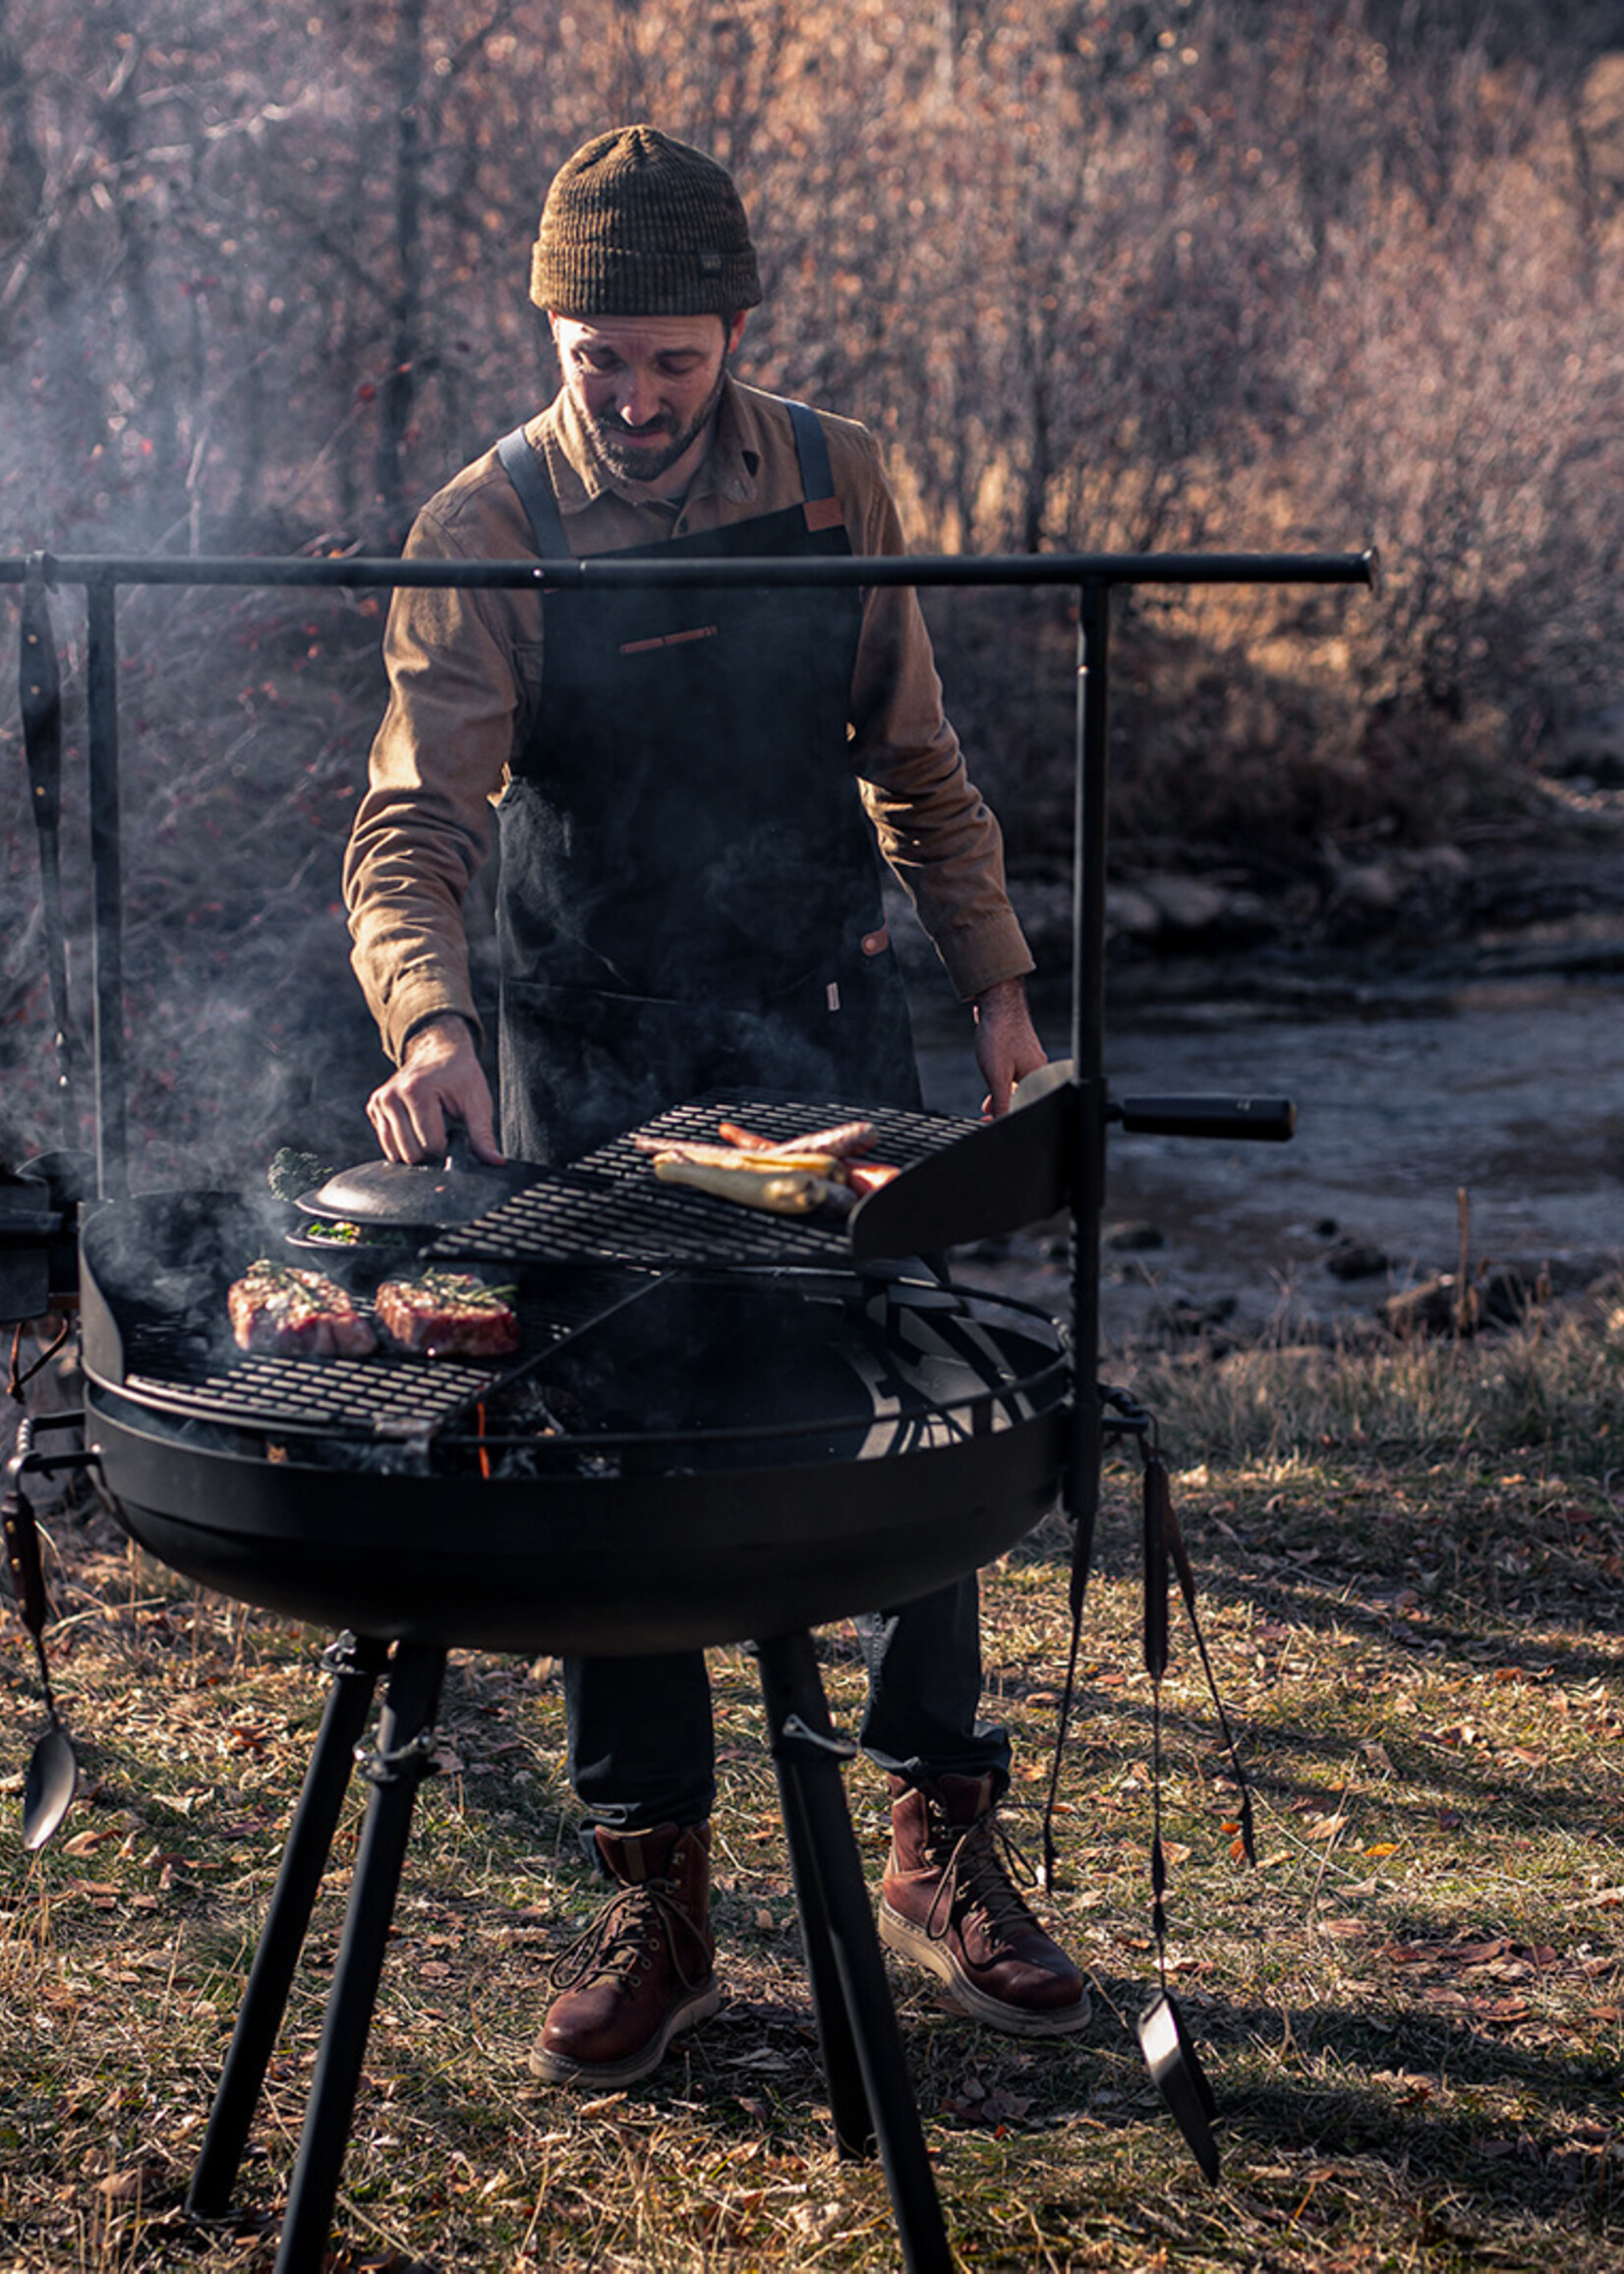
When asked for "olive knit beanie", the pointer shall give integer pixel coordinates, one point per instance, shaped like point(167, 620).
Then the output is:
point(637, 225)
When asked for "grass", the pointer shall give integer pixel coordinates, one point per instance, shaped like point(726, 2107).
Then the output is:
point(1411, 2010)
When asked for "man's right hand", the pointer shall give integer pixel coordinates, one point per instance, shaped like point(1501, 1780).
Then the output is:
point(440, 1081)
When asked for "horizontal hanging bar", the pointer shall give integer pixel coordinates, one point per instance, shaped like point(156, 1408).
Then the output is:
point(1022, 568)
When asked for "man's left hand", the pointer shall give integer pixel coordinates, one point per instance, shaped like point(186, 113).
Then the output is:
point(1007, 1047)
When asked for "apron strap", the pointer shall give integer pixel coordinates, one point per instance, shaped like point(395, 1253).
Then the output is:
point(547, 526)
point(817, 475)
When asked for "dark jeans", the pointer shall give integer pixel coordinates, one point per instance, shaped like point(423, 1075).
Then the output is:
point(641, 1750)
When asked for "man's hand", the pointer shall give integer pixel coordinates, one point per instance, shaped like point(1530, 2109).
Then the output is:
point(1007, 1047)
point(438, 1081)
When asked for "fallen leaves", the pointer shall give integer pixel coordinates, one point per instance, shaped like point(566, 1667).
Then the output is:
point(972, 2101)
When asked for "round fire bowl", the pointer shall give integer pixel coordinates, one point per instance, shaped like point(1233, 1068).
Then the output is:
point(596, 1565)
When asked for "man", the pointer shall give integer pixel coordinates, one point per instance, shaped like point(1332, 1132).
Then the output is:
point(689, 899)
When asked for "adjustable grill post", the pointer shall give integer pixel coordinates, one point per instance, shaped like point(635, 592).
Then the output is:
point(1088, 879)
point(870, 2092)
point(40, 703)
point(107, 888)
point(355, 1664)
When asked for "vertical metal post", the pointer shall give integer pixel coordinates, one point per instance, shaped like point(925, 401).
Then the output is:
point(39, 692)
point(108, 888)
point(1089, 1061)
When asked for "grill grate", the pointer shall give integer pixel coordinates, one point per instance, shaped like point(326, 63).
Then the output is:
point(384, 1395)
point(609, 1206)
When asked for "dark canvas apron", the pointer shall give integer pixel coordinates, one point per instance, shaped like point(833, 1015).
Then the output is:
point(690, 888)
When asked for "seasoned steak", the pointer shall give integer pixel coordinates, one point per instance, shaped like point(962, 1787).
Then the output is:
point(447, 1314)
point(275, 1307)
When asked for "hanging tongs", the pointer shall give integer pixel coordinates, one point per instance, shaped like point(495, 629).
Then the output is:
point(52, 1776)
point(1165, 2037)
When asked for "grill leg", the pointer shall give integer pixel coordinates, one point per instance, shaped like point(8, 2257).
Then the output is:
point(870, 2093)
point(396, 1768)
point(356, 1666)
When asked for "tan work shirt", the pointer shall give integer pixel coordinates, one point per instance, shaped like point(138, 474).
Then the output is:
point(465, 673)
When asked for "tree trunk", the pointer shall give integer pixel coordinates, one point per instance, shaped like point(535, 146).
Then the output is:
point(397, 400)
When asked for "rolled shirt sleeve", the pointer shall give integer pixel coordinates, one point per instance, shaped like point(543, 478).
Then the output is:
point(934, 827)
point(423, 829)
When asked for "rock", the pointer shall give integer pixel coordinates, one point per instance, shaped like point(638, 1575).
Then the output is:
point(1185, 904)
point(1428, 1309)
point(1356, 1259)
point(1183, 1318)
point(1132, 1239)
point(1507, 1294)
point(1501, 1296)
point(1131, 915)
point(1371, 886)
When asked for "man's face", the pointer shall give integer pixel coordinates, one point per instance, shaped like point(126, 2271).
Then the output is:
point(647, 387)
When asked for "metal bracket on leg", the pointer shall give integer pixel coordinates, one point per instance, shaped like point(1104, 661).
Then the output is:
point(820, 1744)
point(871, 2097)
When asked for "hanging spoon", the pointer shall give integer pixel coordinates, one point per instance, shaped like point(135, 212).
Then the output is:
point(52, 1776)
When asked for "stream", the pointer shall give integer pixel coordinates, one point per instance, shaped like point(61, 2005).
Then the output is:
point(1511, 1095)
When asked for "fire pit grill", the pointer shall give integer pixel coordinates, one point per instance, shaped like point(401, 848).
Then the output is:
point(191, 1438)
point(672, 1459)
point(845, 1439)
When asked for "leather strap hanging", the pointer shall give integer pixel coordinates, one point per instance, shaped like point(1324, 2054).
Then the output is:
point(1164, 1545)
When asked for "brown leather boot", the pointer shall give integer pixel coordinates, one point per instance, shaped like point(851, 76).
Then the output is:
point(948, 1904)
point(643, 1969)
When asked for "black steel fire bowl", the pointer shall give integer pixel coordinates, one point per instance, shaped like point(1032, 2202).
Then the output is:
point(698, 1460)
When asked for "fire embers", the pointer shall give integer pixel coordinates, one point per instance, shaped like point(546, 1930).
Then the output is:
point(531, 1430)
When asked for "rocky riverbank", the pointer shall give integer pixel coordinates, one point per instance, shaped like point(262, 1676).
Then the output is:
point(1541, 898)
point(1459, 1074)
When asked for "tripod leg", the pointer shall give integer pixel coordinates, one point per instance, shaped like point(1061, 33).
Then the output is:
point(356, 1666)
point(843, 1950)
point(395, 1769)
point(854, 2134)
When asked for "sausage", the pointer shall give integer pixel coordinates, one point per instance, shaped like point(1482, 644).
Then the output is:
point(788, 1193)
point(762, 1162)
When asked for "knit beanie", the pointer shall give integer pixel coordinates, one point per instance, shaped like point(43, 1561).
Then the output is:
point(638, 224)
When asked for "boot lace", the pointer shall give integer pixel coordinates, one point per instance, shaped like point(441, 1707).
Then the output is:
point(629, 1928)
point(977, 1867)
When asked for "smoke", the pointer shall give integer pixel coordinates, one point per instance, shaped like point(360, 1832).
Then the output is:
point(244, 723)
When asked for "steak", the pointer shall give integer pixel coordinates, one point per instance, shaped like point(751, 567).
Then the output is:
point(275, 1307)
point(447, 1314)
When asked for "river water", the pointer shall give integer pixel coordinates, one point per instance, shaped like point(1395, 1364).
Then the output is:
point(1510, 1094)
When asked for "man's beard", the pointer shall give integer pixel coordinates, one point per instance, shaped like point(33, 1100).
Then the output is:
point(646, 462)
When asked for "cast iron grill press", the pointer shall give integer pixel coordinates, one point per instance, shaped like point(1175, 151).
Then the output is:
point(868, 2087)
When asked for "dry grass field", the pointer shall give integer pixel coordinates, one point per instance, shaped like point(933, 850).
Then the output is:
point(1411, 2010)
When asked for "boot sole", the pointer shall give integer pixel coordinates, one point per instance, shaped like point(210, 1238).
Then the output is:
point(912, 1941)
point(559, 2068)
